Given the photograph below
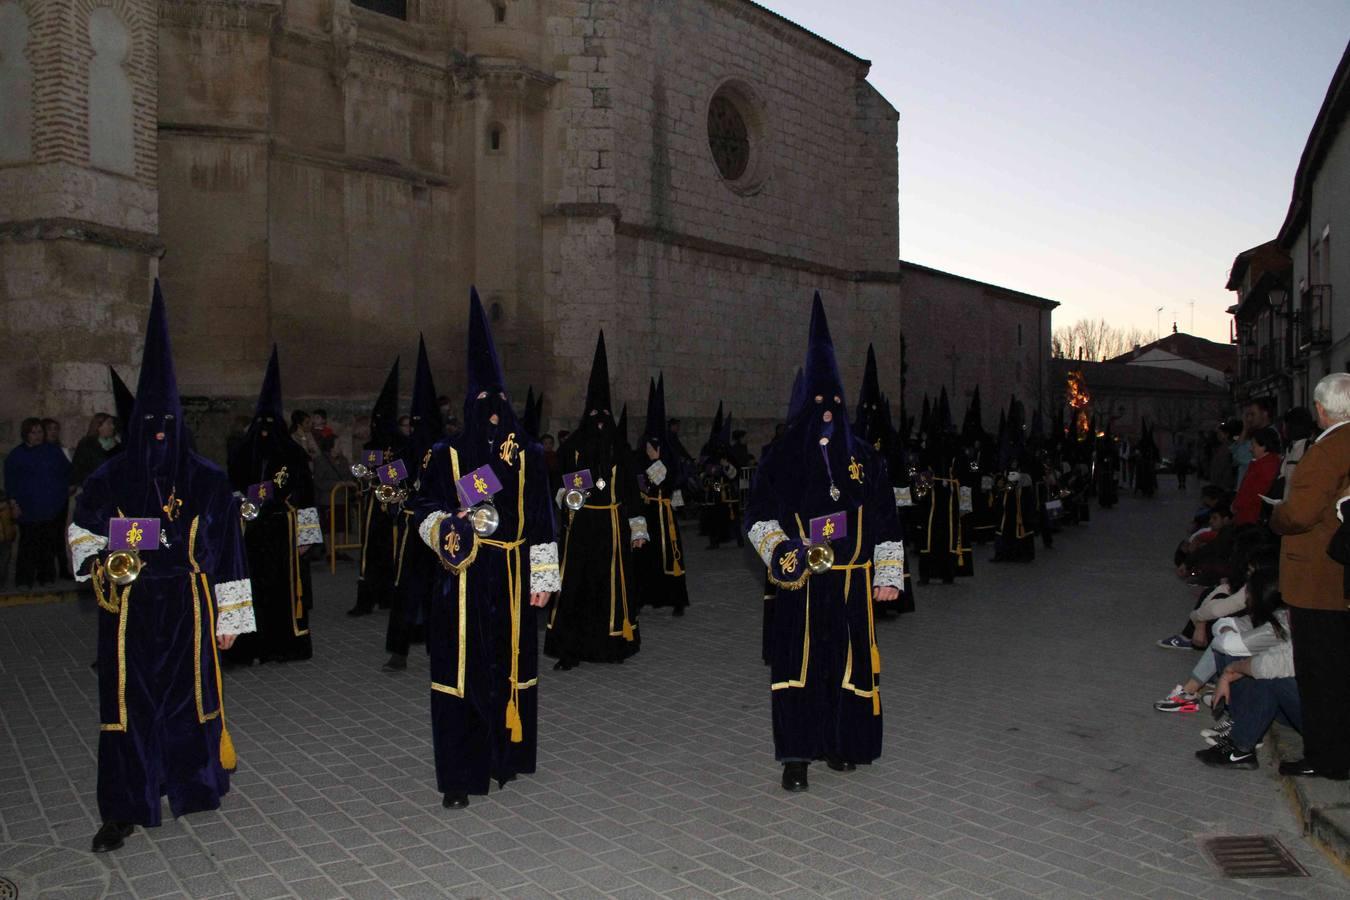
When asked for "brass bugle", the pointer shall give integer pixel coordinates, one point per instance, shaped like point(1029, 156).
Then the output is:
point(123, 566)
point(484, 518)
point(819, 558)
point(248, 510)
point(575, 499)
point(388, 493)
point(360, 472)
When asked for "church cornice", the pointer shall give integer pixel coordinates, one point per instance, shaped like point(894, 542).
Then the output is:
point(220, 15)
point(81, 231)
point(687, 241)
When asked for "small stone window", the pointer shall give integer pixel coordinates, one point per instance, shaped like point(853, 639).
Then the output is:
point(499, 13)
point(728, 137)
point(495, 138)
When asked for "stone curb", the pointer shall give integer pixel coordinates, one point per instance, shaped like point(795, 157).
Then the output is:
point(1322, 807)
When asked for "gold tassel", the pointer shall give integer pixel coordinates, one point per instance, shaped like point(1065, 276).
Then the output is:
point(627, 630)
point(876, 659)
point(513, 722)
point(228, 760)
point(876, 701)
point(300, 613)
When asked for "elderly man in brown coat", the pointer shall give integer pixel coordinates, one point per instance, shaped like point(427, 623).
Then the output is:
point(1314, 588)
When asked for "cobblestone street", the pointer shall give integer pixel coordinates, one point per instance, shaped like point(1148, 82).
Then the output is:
point(1022, 758)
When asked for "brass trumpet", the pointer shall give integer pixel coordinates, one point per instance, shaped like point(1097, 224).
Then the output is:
point(360, 472)
point(574, 499)
point(819, 558)
point(248, 510)
point(484, 518)
point(123, 566)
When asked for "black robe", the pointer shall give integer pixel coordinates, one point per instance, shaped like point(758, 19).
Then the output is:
point(944, 545)
point(283, 593)
point(594, 617)
point(660, 562)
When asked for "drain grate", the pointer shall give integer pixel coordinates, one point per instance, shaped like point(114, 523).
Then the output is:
point(1252, 856)
point(8, 890)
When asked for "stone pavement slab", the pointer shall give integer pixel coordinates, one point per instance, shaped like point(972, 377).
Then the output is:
point(1022, 757)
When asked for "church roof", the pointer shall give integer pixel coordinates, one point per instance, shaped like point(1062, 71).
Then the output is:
point(804, 31)
point(1115, 377)
point(1330, 119)
point(1221, 357)
point(997, 290)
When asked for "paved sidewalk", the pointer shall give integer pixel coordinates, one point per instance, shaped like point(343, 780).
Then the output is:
point(1022, 758)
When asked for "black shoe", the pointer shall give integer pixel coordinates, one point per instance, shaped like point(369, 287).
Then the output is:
point(840, 765)
point(1301, 768)
point(677, 611)
point(564, 665)
point(455, 801)
point(111, 836)
point(794, 777)
point(359, 611)
point(397, 663)
point(1226, 755)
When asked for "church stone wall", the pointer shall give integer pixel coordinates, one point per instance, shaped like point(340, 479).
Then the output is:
point(960, 334)
point(78, 203)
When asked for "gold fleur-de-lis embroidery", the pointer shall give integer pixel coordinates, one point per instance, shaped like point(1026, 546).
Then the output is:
point(788, 562)
point(281, 476)
point(135, 535)
point(173, 506)
point(576, 481)
point(392, 472)
point(510, 449)
point(828, 528)
point(479, 484)
point(855, 469)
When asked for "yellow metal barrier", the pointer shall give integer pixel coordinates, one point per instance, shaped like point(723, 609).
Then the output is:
point(345, 490)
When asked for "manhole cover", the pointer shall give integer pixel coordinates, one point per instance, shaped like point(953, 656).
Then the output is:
point(7, 889)
point(1252, 856)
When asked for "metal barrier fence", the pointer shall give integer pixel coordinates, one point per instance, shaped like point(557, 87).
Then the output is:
point(344, 490)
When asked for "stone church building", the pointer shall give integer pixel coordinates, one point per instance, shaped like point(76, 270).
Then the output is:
point(332, 175)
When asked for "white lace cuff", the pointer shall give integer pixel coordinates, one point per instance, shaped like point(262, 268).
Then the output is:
point(544, 574)
point(638, 526)
point(307, 530)
point(431, 528)
point(234, 607)
point(83, 544)
point(765, 536)
point(889, 561)
point(656, 472)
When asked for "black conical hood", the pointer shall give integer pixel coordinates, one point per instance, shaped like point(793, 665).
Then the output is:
point(972, 428)
point(597, 389)
point(926, 417)
point(530, 420)
point(622, 428)
point(384, 415)
point(869, 395)
point(123, 400)
point(716, 429)
point(944, 412)
point(427, 425)
point(269, 397)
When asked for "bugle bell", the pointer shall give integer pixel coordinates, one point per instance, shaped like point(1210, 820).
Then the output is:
point(819, 558)
point(484, 518)
point(575, 499)
point(360, 472)
point(248, 510)
point(388, 493)
point(123, 566)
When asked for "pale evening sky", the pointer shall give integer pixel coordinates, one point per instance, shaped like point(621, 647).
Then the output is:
point(1114, 156)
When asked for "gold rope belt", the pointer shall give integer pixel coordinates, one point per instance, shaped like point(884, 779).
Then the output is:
point(667, 519)
point(616, 561)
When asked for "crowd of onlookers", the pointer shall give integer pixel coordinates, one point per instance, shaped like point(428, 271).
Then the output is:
point(42, 475)
point(1263, 556)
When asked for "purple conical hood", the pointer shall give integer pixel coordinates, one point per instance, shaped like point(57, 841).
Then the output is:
point(158, 409)
point(485, 366)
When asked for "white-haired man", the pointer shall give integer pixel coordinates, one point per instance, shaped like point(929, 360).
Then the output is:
point(1313, 586)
